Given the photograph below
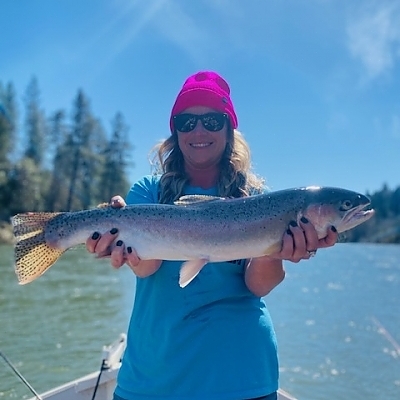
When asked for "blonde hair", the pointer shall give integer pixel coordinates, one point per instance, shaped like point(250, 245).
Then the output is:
point(236, 176)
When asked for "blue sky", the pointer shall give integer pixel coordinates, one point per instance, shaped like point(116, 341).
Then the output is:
point(316, 83)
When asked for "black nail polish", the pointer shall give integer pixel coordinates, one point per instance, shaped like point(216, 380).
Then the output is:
point(293, 223)
point(113, 231)
point(95, 235)
point(304, 220)
point(289, 232)
point(129, 249)
point(333, 229)
point(119, 243)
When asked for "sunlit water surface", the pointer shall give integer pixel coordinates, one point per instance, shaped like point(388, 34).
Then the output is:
point(337, 319)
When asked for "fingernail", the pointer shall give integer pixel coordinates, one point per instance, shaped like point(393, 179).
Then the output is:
point(289, 232)
point(304, 220)
point(129, 249)
point(95, 235)
point(119, 243)
point(293, 223)
point(333, 229)
point(113, 231)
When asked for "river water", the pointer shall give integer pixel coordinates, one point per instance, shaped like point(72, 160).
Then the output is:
point(337, 319)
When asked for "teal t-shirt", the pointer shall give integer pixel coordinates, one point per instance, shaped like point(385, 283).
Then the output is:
point(211, 340)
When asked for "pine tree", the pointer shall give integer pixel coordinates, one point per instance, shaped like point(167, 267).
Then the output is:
point(35, 126)
point(84, 145)
point(8, 124)
point(57, 191)
point(116, 154)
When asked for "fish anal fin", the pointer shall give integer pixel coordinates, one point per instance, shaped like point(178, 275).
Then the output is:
point(189, 270)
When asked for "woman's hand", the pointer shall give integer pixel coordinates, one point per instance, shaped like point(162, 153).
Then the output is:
point(108, 245)
point(103, 244)
point(300, 242)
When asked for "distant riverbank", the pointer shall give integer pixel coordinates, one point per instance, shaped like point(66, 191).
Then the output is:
point(6, 233)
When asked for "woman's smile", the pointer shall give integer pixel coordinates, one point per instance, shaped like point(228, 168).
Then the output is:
point(201, 145)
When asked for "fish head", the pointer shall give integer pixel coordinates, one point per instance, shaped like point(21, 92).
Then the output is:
point(344, 209)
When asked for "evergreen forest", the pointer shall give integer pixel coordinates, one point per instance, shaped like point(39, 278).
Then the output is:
point(61, 161)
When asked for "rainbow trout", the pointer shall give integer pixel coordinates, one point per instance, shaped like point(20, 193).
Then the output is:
point(196, 229)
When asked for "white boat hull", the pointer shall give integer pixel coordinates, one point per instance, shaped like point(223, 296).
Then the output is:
point(84, 387)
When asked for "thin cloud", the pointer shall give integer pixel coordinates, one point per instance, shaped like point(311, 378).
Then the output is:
point(139, 18)
point(374, 37)
point(204, 32)
point(388, 127)
point(182, 29)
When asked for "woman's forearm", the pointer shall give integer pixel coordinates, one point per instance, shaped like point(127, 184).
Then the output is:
point(263, 274)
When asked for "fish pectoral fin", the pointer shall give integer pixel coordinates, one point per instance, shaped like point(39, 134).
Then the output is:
point(193, 199)
point(189, 270)
point(272, 249)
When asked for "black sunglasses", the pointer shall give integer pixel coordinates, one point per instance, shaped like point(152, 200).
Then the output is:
point(213, 122)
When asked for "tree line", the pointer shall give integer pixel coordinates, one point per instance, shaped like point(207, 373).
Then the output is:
point(384, 226)
point(52, 162)
point(56, 163)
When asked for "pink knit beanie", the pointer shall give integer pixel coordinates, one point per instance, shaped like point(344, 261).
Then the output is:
point(207, 89)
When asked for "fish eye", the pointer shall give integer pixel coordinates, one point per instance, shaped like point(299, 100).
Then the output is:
point(346, 205)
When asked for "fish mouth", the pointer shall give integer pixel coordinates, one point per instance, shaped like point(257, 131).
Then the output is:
point(357, 215)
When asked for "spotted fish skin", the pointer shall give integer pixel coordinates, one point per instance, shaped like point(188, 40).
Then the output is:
point(197, 229)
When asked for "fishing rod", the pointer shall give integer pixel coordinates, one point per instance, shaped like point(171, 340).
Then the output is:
point(10, 364)
point(387, 335)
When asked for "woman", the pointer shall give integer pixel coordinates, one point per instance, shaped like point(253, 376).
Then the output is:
point(213, 339)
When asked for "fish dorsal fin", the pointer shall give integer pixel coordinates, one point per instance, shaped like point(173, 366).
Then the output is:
point(103, 205)
point(193, 199)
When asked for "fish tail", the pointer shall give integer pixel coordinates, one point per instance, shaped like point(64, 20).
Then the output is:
point(33, 256)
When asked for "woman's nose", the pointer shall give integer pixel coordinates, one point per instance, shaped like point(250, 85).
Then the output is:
point(198, 128)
